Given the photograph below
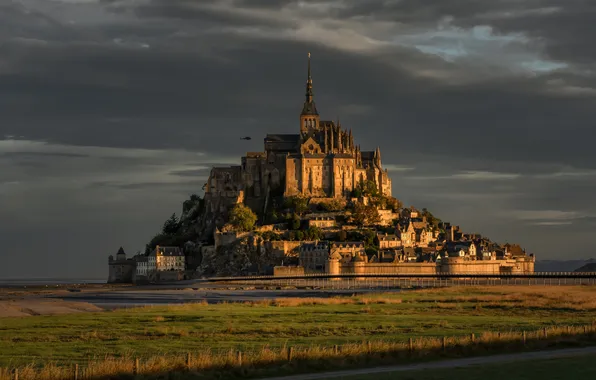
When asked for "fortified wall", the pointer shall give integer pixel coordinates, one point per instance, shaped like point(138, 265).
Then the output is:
point(447, 266)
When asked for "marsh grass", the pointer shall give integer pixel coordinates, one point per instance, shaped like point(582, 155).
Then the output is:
point(209, 364)
point(155, 333)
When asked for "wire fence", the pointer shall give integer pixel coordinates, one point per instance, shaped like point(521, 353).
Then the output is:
point(288, 359)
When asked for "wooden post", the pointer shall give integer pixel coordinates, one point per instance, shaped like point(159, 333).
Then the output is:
point(290, 353)
point(336, 349)
point(369, 347)
point(135, 367)
point(444, 344)
point(411, 344)
point(545, 333)
point(16, 374)
point(524, 337)
point(76, 372)
point(472, 337)
point(239, 357)
point(568, 330)
point(188, 360)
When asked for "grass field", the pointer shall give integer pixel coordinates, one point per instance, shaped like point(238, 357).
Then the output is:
point(583, 367)
point(154, 331)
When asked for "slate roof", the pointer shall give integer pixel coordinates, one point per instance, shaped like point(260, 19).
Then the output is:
point(348, 244)
point(170, 251)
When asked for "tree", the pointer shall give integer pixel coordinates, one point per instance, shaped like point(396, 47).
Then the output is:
point(298, 203)
point(431, 219)
point(294, 222)
point(333, 205)
point(189, 203)
point(314, 233)
point(367, 188)
point(171, 226)
point(369, 238)
point(242, 218)
point(365, 215)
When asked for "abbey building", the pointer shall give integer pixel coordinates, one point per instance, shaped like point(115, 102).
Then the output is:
point(322, 160)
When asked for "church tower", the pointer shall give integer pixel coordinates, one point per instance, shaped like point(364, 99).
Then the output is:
point(309, 118)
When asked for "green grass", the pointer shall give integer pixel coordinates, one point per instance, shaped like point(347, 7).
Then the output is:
point(154, 331)
point(581, 367)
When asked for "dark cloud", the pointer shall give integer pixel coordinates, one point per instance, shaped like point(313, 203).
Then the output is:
point(41, 154)
point(491, 105)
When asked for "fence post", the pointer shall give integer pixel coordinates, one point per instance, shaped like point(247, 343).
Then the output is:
point(290, 353)
point(135, 367)
point(76, 372)
point(524, 337)
point(369, 347)
point(472, 337)
point(16, 374)
point(444, 343)
point(188, 360)
point(545, 333)
point(411, 344)
point(239, 357)
point(336, 349)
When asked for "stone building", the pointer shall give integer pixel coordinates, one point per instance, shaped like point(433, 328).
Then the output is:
point(322, 160)
point(322, 222)
point(313, 255)
point(388, 241)
point(120, 269)
point(347, 250)
point(166, 263)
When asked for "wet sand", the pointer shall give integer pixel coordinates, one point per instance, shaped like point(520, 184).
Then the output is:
point(27, 302)
point(29, 307)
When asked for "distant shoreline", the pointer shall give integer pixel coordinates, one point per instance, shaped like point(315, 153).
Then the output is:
point(48, 282)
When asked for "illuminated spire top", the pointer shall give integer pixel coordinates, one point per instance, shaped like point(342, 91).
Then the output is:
point(309, 105)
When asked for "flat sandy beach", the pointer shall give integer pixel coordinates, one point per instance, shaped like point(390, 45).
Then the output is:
point(19, 302)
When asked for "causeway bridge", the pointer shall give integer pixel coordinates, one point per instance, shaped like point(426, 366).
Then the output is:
point(407, 280)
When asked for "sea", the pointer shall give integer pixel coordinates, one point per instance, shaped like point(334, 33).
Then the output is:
point(22, 282)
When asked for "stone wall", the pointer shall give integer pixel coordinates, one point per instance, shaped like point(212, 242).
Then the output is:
point(121, 271)
point(389, 268)
point(283, 248)
point(288, 271)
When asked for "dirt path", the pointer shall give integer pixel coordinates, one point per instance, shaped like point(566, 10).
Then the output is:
point(494, 359)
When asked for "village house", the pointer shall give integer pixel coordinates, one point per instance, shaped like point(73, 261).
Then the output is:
point(314, 255)
point(388, 241)
point(347, 250)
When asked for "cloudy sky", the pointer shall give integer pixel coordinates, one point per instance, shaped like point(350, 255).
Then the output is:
point(113, 111)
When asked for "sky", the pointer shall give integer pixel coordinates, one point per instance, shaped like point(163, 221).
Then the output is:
point(112, 112)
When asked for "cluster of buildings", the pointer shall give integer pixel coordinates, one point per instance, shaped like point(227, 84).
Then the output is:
point(414, 246)
point(162, 264)
point(322, 163)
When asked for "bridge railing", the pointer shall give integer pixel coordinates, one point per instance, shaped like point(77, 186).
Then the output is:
point(535, 275)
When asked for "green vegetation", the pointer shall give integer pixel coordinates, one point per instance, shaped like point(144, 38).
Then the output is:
point(365, 215)
point(298, 322)
point(298, 204)
point(335, 204)
point(177, 231)
point(242, 218)
point(582, 367)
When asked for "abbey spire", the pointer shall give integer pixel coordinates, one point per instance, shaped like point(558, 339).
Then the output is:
point(309, 105)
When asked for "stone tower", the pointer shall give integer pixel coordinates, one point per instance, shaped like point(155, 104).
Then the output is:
point(309, 117)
